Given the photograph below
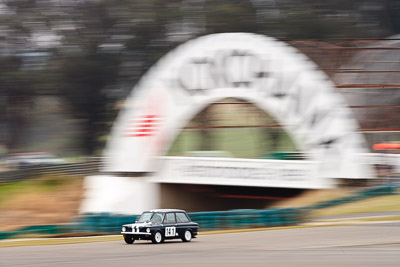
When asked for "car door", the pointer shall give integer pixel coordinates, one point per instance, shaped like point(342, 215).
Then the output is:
point(170, 225)
point(182, 223)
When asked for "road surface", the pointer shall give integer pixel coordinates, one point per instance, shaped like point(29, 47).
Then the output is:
point(373, 244)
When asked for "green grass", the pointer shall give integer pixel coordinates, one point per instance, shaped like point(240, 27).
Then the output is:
point(240, 142)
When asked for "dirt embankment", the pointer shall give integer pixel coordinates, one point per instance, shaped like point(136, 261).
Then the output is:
point(48, 200)
point(311, 197)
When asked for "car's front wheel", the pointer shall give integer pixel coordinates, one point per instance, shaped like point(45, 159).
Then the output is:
point(129, 239)
point(157, 238)
point(187, 236)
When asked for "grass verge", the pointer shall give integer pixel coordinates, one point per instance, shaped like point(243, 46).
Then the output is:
point(45, 200)
point(39, 184)
point(377, 204)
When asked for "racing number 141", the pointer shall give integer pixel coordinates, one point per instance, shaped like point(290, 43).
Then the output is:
point(170, 231)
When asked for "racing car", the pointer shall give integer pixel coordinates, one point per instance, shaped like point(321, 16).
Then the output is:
point(160, 225)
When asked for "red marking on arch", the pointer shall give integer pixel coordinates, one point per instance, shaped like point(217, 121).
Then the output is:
point(143, 126)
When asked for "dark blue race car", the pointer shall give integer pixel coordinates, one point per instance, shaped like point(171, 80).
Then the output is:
point(159, 225)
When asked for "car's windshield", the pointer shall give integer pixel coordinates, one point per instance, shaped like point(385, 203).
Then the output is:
point(155, 217)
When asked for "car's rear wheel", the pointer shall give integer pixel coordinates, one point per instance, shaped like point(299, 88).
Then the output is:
point(157, 238)
point(129, 239)
point(187, 236)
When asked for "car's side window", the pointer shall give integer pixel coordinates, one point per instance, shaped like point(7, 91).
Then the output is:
point(170, 218)
point(181, 217)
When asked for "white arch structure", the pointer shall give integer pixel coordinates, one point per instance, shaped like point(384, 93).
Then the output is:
point(266, 72)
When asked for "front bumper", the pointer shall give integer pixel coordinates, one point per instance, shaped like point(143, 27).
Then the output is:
point(135, 233)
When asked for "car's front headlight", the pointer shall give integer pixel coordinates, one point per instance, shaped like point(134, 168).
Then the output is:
point(148, 230)
point(123, 229)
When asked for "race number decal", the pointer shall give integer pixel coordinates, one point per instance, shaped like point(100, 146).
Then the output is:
point(170, 231)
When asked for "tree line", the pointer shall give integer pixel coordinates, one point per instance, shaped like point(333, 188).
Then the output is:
point(90, 53)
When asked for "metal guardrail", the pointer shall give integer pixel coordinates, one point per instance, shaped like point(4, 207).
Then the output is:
point(81, 169)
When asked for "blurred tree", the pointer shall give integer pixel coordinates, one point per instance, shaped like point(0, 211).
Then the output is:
point(106, 50)
point(92, 52)
point(230, 16)
point(84, 80)
point(17, 81)
point(16, 93)
point(204, 119)
point(393, 11)
point(85, 69)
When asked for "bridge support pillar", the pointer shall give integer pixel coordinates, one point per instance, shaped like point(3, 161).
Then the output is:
point(121, 195)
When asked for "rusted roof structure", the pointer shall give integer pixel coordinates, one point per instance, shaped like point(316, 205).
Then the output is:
point(367, 73)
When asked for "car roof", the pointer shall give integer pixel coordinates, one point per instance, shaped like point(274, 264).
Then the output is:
point(166, 210)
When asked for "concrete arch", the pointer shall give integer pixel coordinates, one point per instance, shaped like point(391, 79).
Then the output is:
point(266, 72)
point(272, 75)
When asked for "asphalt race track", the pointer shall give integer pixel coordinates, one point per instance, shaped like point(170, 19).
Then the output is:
point(376, 244)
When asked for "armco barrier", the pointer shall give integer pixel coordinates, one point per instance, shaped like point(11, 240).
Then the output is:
point(37, 229)
point(107, 223)
point(235, 219)
point(81, 169)
point(101, 223)
point(214, 220)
